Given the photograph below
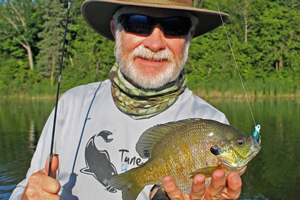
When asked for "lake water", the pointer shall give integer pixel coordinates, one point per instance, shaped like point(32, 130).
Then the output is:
point(272, 174)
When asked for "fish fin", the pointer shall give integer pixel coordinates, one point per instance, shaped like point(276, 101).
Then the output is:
point(129, 187)
point(207, 171)
point(155, 134)
point(160, 194)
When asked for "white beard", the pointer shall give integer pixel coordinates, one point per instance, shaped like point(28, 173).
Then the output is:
point(129, 69)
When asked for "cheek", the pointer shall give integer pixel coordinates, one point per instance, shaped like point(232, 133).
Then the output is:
point(129, 42)
point(177, 47)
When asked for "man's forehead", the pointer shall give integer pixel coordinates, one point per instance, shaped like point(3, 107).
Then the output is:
point(155, 12)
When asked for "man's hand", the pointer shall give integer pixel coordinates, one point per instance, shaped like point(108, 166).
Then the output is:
point(40, 186)
point(220, 188)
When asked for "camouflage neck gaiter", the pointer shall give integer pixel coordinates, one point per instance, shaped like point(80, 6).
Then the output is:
point(140, 103)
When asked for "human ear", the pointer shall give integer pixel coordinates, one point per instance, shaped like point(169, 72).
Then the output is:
point(112, 28)
point(192, 32)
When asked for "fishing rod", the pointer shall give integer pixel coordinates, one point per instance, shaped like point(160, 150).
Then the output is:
point(58, 88)
point(256, 132)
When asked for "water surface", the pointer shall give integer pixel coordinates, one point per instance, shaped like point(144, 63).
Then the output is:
point(273, 174)
point(21, 122)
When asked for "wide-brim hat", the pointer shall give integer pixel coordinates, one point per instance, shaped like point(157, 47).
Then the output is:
point(99, 13)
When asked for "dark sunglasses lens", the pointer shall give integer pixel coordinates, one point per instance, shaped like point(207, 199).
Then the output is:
point(176, 26)
point(138, 24)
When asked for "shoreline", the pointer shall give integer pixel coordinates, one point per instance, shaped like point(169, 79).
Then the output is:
point(232, 95)
point(214, 94)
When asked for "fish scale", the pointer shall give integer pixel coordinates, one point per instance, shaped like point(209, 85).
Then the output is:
point(182, 149)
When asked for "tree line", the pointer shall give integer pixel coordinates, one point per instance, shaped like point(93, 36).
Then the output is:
point(264, 35)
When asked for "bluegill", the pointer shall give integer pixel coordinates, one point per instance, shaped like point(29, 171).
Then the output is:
point(183, 149)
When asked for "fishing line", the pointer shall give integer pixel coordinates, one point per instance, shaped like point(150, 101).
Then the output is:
point(235, 62)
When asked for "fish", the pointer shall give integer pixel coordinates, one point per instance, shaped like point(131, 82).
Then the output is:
point(183, 149)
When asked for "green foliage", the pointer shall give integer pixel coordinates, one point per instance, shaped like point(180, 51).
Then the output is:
point(20, 22)
point(52, 38)
point(265, 38)
point(92, 54)
point(16, 78)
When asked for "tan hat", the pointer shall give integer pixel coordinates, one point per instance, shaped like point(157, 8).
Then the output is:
point(99, 13)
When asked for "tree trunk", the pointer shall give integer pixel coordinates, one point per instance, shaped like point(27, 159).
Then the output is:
point(281, 63)
point(281, 58)
point(28, 48)
point(16, 22)
point(71, 62)
point(242, 10)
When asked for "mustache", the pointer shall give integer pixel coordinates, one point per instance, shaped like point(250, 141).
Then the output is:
point(147, 54)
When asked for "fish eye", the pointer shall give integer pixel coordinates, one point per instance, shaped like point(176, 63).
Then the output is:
point(215, 150)
point(240, 142)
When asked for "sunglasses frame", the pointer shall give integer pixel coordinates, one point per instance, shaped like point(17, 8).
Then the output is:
point(156, 20)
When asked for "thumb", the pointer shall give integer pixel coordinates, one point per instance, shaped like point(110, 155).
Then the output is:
point(54, 165)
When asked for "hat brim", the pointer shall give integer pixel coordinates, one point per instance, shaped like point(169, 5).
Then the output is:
point(99, 13)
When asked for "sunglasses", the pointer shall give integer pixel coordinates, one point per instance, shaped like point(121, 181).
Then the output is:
point(144, 25)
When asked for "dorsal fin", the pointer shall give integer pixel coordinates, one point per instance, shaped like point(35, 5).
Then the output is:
point(155, 134)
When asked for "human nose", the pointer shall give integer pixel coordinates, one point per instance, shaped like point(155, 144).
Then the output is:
point(156, 40)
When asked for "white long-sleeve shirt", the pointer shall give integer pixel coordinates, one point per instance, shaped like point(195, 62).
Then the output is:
point(95, 140)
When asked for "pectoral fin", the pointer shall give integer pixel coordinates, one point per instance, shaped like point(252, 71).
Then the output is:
point(160, 194)
point(207, 171)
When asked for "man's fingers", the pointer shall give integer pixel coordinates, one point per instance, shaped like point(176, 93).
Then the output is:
point(218, 182)
point(171, 189)
point(216, 190)
point(51, 196)
point(234, 186)
point(54, 164)
point(41, 186)
point(47, 184)
point(33, 193)
point(50, 185)
point(42, 195)
point(198, 187)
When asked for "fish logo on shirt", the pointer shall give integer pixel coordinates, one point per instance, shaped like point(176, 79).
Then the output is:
point(98, 162)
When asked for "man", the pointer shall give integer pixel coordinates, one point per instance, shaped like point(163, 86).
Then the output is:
point(99, 124)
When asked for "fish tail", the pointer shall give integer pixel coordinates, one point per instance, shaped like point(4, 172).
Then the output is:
point(127, 184)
